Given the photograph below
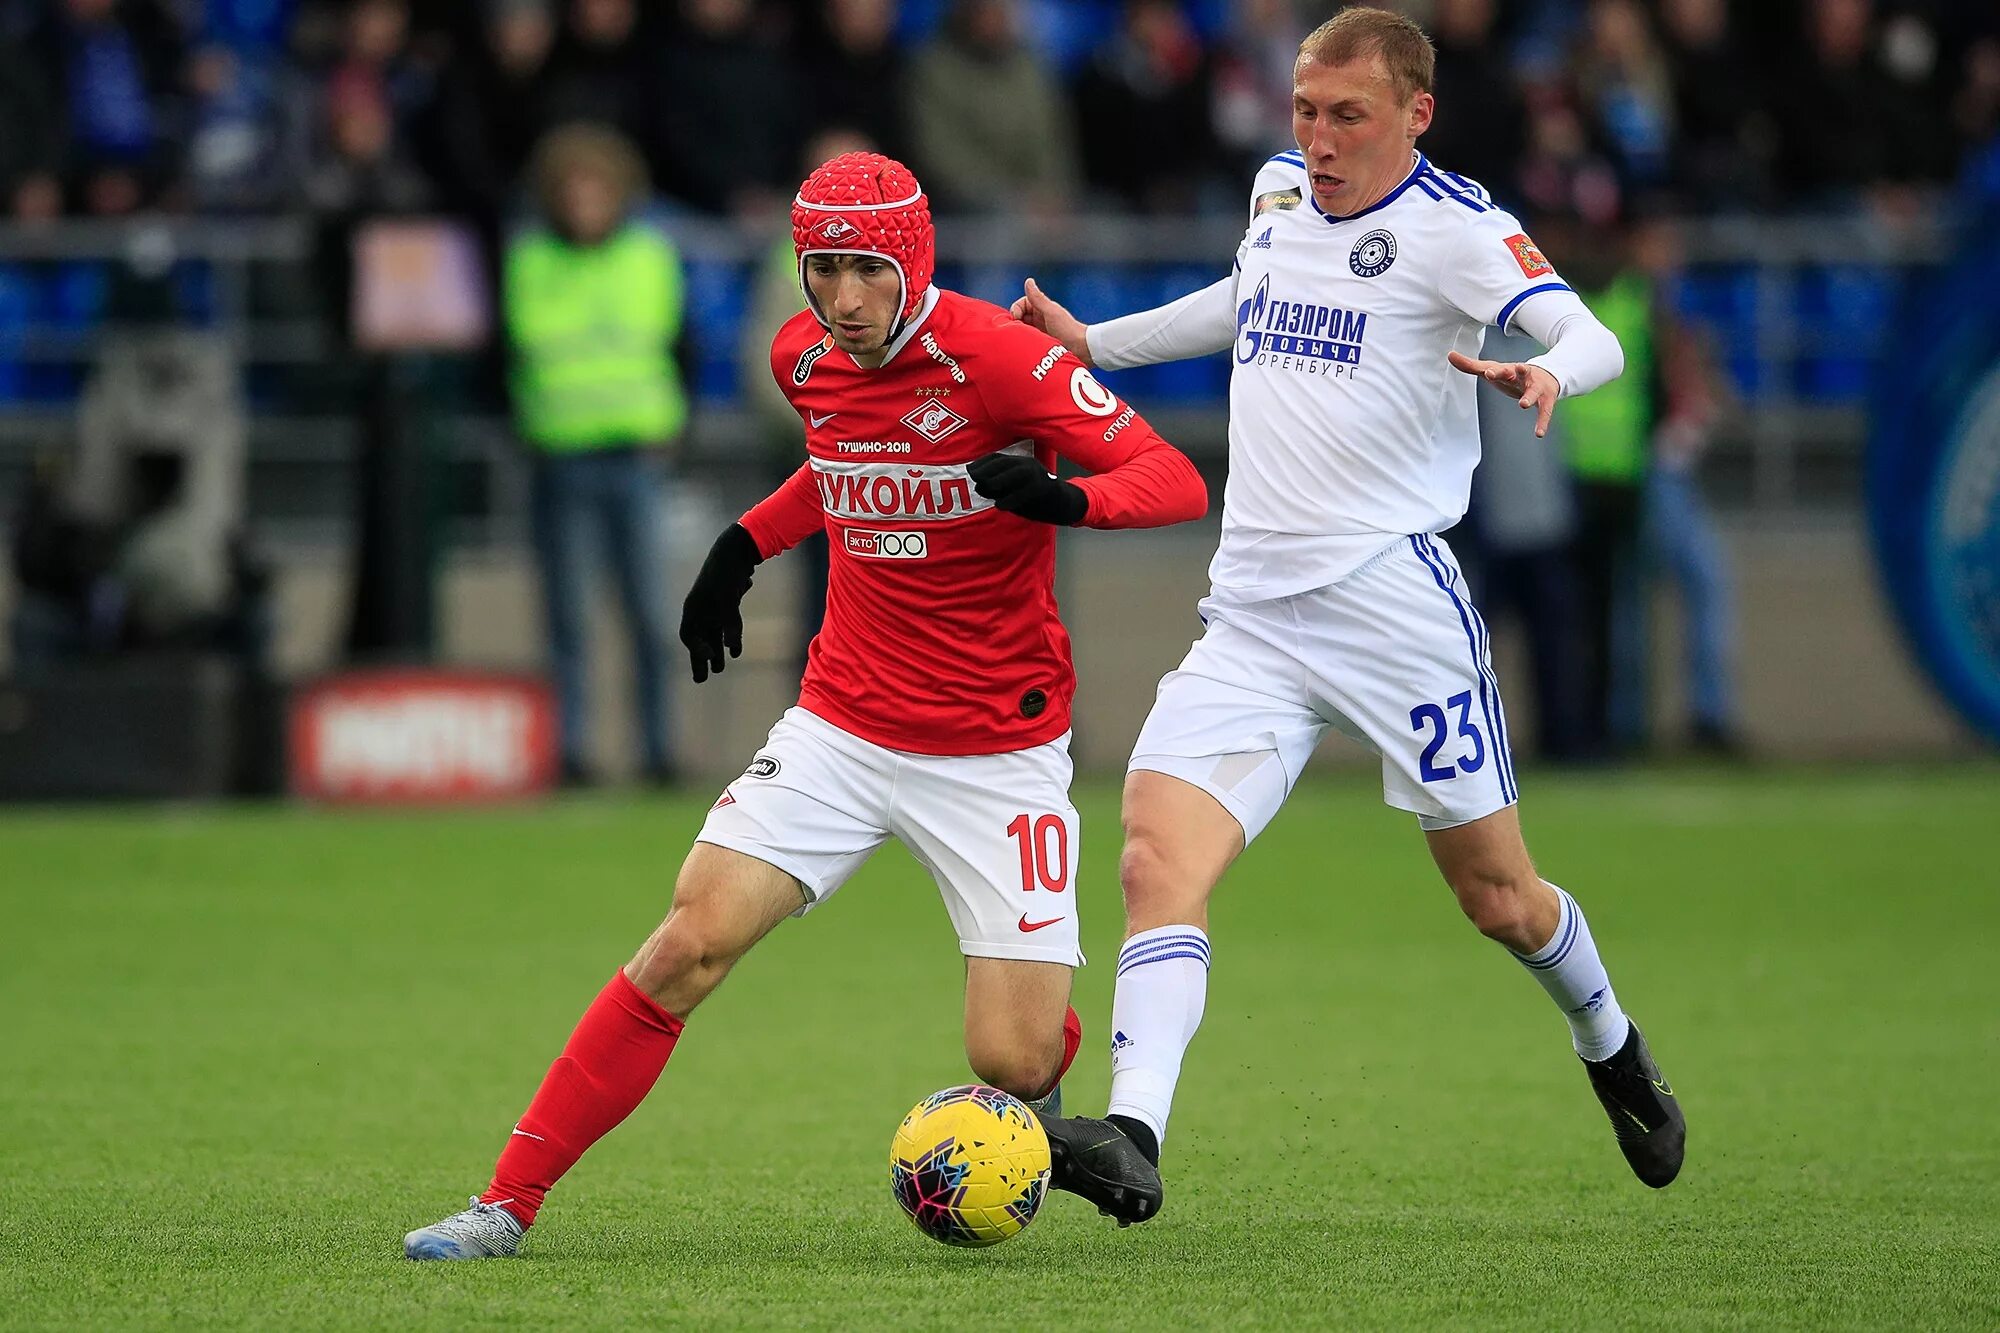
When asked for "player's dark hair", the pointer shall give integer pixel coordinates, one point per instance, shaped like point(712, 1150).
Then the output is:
point(1362, 32)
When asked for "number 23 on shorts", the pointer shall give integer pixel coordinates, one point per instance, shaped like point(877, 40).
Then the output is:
point(1430, 717)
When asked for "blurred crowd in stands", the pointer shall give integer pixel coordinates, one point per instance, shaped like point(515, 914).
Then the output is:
point(1577, 106)
point(1592, 119)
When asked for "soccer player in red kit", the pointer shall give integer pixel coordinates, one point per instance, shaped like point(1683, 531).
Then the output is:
point(936, 700)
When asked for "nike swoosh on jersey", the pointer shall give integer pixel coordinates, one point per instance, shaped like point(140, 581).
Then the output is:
point(1027, 925)
point(818, 420)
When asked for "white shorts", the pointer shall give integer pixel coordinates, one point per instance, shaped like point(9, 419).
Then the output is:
point(996, 831)
point(1394, 655)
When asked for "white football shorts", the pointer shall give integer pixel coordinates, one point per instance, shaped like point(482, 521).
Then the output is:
point(996, 831)
point(1393, 655)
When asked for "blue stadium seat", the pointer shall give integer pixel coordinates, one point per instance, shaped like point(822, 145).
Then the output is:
point(916, 20)
point(267, 388)
point(76, 295)
point(196, 299)
point(17, 313)
point(717, 294)
point(1723, 300)
point(1199, 383)
point(997, 283)
point(1096, 292)
point(53, 384)
point(1843, 313)
point(44, 296)
point(1186, 382)
point(245, 24)
point(1066, 31)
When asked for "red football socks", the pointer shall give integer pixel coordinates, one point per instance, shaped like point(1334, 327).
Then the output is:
point(605, 1070)
point(1072, 1038)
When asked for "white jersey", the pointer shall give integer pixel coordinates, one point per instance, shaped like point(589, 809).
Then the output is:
point(1348, 428)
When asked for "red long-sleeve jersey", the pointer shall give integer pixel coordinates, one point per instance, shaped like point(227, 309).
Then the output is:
point(942, 634)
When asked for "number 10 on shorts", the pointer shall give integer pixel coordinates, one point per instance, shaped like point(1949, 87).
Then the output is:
point(1044, 847)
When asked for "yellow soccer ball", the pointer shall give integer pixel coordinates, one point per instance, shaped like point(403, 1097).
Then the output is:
point(970, 1165)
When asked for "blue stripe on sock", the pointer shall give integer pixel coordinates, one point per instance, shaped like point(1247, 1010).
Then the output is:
point(1147, 955)
point(1132, 951)
point(1159, 937)
point(1569, 940)
point(1562, 947)
point(1571, 918)
point(1472, 643)
point(1123, 968)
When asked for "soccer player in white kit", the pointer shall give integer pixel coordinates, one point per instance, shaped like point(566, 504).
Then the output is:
point(1361, 291)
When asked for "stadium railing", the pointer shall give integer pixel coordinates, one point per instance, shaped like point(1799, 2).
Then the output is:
point(1801, 311)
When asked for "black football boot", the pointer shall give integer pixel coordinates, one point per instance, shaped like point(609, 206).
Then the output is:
point(1645, 1114)
point(1099, 1161)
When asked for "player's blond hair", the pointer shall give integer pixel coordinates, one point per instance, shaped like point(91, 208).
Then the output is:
point(1362, 32)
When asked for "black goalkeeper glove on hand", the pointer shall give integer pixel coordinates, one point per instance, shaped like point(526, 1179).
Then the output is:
point(712, 616)
point(1020, 485)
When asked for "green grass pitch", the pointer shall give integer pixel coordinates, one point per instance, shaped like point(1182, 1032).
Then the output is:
point(244, 1051)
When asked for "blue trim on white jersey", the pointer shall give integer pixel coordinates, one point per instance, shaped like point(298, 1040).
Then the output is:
point(1438, 187)
point(1484, 195)
point(1293, 158)
point(1333, 218)
point(1507, 311)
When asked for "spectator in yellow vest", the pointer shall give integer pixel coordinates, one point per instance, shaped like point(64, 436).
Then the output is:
point(1631, 451)
point(593, 302)
point(1607, 447)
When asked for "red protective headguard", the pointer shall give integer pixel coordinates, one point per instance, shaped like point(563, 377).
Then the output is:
point(868, 204)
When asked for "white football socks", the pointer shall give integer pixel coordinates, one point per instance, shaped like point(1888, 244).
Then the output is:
point(1162, 988)
point(1571, 972)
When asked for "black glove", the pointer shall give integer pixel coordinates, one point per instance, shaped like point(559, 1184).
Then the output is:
point(712, 616)
point(1020, 485)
